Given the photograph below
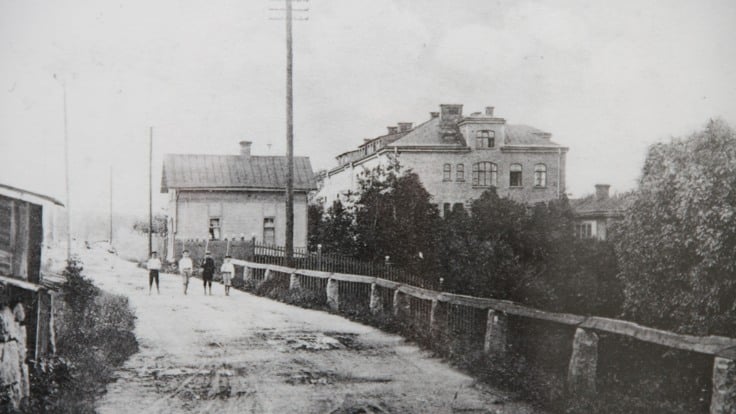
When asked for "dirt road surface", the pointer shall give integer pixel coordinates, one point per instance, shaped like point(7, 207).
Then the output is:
point(246, 354)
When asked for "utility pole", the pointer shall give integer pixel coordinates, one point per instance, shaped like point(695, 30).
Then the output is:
point(289, 141)
point(289, 246)
point(150, 191)
point(66, 175)
point(110, 205)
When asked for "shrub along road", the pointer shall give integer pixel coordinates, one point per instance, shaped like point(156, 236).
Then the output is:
point(246, 354)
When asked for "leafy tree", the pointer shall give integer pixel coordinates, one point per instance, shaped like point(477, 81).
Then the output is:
point(676, 246)
point(337, 233)
point(159, 225)
point(394, 217)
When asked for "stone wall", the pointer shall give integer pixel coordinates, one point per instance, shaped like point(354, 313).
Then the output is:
point(14, 384)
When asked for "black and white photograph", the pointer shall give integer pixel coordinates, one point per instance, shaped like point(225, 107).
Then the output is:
point(368, 207)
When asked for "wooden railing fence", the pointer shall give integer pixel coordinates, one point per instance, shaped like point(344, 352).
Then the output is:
point(445, 313)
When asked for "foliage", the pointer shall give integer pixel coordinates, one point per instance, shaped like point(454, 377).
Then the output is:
point(390, 215)
point(508, 250)
point(159, 225)
point(677, 243)
point(94, 334)
point(335, 230)
point(499, 248)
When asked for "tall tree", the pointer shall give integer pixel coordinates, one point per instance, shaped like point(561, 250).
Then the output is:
point(677, 244)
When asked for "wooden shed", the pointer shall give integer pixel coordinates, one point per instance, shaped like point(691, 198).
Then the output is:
point(21, 248)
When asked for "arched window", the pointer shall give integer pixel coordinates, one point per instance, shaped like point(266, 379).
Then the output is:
point(485, 138)
point(460, 172)
point(485, 174)
point(540, 175)
point(447, 172)
point(515, 175)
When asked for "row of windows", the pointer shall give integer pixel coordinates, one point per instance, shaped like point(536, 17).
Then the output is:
point(485, 174)
point(269, 229)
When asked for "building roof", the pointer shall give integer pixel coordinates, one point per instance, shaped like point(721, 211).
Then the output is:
point(594, 206)
point(428, 134)
point(527, 135)
point(25, 195)
point(198, 171)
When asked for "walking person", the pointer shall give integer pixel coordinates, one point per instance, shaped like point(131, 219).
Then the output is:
point(185, 268)
point(228, 270)
point(208, 271)
point(154, 266)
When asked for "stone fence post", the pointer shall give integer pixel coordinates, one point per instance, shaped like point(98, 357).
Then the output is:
point(333, 294)
point(294, 281)
point(723, 395)
point(496, 337)
point(401, 304)
point(376, 303)
point(581, 373)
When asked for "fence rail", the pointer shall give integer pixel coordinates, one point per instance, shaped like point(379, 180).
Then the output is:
point(445, 313)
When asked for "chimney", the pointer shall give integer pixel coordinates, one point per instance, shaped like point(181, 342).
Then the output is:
point(245, 148)
point(405, 126)
point(434, 114)
point(489, 111)
point(451, 113)
point(392, 130)
point(601, 191)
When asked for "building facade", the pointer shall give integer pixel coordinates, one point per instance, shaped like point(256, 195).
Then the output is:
point(458, 157)
point(220, 197)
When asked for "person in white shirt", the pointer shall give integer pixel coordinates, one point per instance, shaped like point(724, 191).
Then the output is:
point(228, 270)
point(154, 266)
point(185, 268)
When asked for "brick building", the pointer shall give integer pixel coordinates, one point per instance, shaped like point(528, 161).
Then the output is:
point(233, 196)
point(458, 157)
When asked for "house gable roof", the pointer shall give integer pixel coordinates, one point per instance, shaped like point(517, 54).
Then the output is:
point(593, 206)
point(200, 171)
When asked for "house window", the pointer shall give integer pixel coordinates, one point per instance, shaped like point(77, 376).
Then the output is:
point(458, 207)
point(584, 230)
point(485, 139)
point(485, 174)
point(515, 175)
point(460, 172)
point(453, 111)
point(540, 175)
point(214, 229)
point(269, 230)
point(446, 209)
point(447, 172)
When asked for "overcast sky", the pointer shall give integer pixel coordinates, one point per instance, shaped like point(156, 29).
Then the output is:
point(606, 78)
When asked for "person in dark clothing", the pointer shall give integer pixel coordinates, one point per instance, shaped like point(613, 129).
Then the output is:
point(208, 271)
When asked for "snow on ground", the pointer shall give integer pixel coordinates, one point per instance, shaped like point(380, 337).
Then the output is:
point(246, 354)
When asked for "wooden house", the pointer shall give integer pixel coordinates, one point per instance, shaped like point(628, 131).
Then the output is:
point(219, 197)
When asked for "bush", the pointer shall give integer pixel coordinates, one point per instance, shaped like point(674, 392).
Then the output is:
point(94, 335)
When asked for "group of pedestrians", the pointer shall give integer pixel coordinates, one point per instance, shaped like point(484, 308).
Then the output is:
point(186, 269)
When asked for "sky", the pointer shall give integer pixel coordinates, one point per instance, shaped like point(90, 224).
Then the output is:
point(607, 79)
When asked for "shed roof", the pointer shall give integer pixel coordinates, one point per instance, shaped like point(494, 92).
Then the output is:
point(25, 195)
point(200, 171)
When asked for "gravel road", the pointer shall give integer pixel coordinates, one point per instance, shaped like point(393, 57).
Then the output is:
point(246, 354)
